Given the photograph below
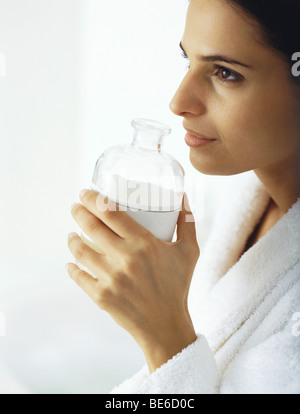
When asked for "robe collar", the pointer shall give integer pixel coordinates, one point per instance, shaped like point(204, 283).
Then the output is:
point(232, 285)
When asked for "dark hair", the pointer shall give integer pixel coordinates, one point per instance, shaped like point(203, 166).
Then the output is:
point(279, 20)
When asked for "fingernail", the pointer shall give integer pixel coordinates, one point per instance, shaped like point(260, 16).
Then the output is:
point(83, 192)
point(74, 205)
point(67, 267)
point(186, 203)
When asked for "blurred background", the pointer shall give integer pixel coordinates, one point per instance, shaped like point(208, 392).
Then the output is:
point(73, 74)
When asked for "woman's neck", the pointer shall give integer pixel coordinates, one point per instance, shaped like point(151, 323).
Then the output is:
point(282, 182)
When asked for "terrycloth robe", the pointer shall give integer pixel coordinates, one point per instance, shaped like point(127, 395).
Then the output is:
point(245, 308)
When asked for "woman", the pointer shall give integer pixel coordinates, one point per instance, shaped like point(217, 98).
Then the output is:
point(240, 105)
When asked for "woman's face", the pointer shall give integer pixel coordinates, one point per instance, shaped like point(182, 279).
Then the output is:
point(252, 109)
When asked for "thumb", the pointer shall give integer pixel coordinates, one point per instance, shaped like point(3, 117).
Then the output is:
point(186, 229)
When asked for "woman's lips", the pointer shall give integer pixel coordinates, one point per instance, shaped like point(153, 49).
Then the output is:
point(195, 141)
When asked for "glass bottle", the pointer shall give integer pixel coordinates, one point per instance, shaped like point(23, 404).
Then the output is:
point(143, 180)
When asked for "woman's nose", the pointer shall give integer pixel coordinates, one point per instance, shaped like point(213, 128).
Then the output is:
point(187, 99)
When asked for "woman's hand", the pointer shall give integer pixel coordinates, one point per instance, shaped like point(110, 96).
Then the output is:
point(141, 281)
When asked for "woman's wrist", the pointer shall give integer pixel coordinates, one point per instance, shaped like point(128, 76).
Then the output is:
point(172, 342)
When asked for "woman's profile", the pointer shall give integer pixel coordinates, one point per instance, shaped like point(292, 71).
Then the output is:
point(230, 326)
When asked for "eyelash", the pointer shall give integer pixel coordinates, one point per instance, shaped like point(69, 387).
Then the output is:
point(238, 77)
point(219, 68)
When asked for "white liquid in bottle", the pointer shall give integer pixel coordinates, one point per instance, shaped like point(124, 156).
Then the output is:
point(144, 181)
point(161, 225)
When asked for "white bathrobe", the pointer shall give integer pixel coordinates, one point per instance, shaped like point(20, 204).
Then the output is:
point(246, 310)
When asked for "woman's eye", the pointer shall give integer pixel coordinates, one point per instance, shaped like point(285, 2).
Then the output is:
point(222, 74)
point(226, 75)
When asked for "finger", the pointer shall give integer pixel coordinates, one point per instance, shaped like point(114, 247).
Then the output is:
point(84, 280)
point(111, 214)
point(105, 239)
point(87, 256)
point(186, 229)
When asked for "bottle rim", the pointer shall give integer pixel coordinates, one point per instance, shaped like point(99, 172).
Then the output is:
point(144, 123)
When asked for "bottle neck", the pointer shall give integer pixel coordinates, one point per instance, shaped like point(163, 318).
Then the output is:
point(147, 140)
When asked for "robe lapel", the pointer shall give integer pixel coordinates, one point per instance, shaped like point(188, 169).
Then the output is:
point(235, 287)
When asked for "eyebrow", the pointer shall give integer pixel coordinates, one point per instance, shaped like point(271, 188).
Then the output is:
point(218, 58)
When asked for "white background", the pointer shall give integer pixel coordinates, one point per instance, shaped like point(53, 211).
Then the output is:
point(77, 72)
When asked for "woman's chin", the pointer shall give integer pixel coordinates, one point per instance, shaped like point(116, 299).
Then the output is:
point(210, 166)
point(204, 166)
